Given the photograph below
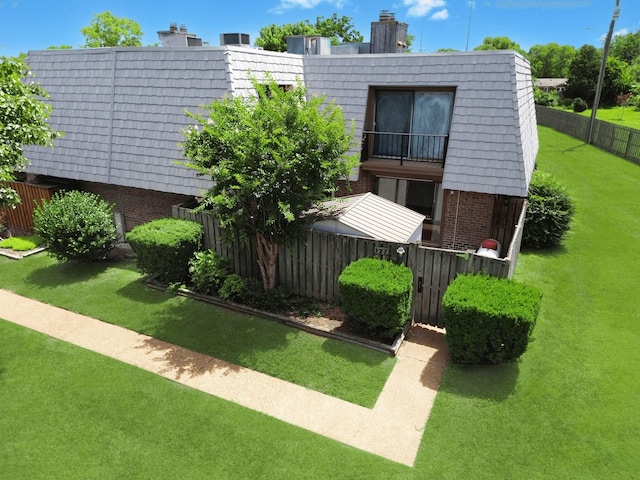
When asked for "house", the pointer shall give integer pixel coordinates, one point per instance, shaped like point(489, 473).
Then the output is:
point(552, 84)
point(451, 136)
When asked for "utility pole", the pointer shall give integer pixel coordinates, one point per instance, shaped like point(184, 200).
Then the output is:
point(603, 66)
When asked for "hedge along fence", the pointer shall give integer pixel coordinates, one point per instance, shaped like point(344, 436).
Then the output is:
point(312, 266)
point(621, 141)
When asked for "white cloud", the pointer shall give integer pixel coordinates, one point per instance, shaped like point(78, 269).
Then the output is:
point(420, 8)
point(623, 31)
point(441, 15)
point(289, 4)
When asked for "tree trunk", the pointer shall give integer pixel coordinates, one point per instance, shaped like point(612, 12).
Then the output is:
point(267, 260)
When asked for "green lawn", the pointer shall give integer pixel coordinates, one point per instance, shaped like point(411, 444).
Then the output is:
point(115, 294)
point(624, 116)
point(567, 410)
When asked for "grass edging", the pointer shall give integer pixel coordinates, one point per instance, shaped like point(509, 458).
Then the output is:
point(391, 349)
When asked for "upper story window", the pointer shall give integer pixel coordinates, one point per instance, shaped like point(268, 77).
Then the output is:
point(411, 124)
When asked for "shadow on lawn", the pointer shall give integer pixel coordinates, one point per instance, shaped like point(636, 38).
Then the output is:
point(217, 332)
point(65, 273)
point(138, 291)
point(181, 361)
point(489, 382)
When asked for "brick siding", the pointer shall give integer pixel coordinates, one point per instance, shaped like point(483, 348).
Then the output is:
point(475, 216)
point(137, 205)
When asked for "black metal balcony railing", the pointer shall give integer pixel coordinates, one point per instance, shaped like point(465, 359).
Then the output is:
point(405, 146)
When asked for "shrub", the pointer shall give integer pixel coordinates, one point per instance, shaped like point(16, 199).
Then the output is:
point(21, 244)
point(164, 247)
point(488, 319)
point(76, 226)
point(377, 295)
point(549, 212)
point(232, 288)
point(207, 271)
point(578, 105)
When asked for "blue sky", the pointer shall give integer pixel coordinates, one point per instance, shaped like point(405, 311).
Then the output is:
point(36, 24)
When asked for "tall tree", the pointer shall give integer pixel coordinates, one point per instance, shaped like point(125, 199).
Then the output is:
point(274, 37)
point(583, 73)
point(500, 43)
point(271, 157)
point(551, 60)
point(338, 29)
point(626, 47)
point(107, 30)
point(23, 121)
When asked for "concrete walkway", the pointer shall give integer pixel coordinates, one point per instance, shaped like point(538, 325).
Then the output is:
point(392, 429)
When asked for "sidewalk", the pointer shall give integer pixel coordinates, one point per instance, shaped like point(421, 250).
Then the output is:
point(392, 429)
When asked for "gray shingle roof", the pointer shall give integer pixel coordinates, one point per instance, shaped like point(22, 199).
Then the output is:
point(123, 108)
point(493, 138)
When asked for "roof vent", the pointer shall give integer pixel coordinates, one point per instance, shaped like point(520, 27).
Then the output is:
point(173, 27)
point(183, 28)
point(387, 16)
point(237, 39)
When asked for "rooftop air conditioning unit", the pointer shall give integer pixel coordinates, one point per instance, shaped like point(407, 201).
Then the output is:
point(237, 39)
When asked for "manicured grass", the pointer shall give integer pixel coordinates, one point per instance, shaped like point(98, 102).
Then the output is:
point(624, 116)
point(115, 294)
point(68, 413)
point(568, 409)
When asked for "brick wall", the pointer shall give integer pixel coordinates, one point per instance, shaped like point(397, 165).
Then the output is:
point(475, 215)
point(137, 205)
point(364, 184)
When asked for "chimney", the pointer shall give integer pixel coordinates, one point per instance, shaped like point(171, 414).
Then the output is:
point(388, 35)
point(175, 37)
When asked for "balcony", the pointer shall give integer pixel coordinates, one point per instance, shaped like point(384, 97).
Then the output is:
point(405, 146)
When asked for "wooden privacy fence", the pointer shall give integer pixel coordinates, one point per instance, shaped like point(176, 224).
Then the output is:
point(312, 266)
point(20, 219)
point(621, 141)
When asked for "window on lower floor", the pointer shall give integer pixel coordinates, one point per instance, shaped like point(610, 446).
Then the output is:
point(421, 196)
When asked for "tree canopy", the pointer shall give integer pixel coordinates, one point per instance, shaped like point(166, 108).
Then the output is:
point(107, 30)
point(338, 29)
point(551, 60)
point(500, 43)
point(23, 121)
point(583, 73)
point(271, 157)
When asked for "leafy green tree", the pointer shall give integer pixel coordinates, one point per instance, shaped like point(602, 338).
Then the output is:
point(339, 29)
point(107, 30)
point(500, 43)
point(618, 80)
point(59, 47)
point(271, 157)
point(626, 47)
point(23, 121)
point(274, 37)
point(551, 60)
point(583, 73)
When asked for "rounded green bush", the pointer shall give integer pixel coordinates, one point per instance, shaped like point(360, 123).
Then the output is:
point(165, 246)
point(76, 226)
point(579, 105)
point(549, 212)
point(488, 319)
point(377, 295)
